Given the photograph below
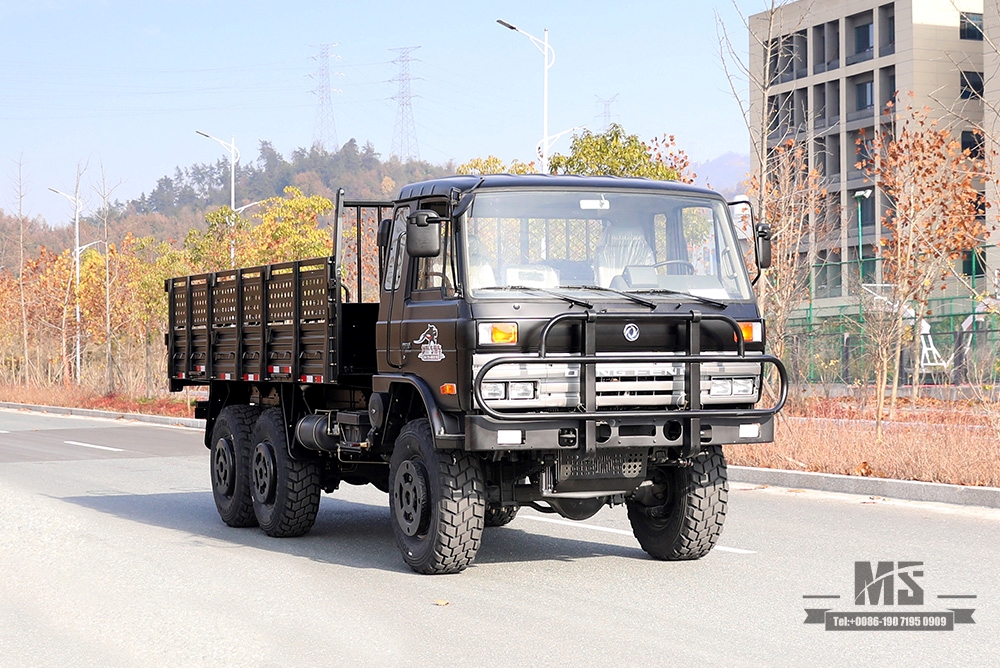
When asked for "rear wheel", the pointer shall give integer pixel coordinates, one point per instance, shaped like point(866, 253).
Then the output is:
point(231, 441)
point(681, 513)
point(498, 516)
point(437, 502)
point(285, 491)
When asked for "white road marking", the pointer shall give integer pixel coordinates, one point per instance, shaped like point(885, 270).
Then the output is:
point(91, 445)
point(4, 431)
point(622, 532)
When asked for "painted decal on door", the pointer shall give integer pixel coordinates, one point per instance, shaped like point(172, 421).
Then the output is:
point(430, 349)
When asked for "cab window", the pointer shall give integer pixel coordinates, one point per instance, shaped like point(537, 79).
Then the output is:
point(437, 274)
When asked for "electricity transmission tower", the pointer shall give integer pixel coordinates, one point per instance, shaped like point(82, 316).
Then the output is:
point(325, 129)
point(404, 134)
point(606, 116)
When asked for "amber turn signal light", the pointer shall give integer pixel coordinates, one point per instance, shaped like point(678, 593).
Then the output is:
point(498, 332)
point(752, 332)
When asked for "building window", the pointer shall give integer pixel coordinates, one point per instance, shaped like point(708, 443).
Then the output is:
point(970, 26)
point(864, 38)
point(865, 95)
point(974, 262)
point(828, 278)
point(972, 85)
point(973, 142)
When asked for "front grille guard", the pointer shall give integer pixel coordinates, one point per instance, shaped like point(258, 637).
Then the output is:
point(588, 359)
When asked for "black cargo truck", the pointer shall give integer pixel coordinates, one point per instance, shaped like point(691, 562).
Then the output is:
point(485, 343)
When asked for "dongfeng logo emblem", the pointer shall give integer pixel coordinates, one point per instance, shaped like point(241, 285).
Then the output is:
point(631, 331)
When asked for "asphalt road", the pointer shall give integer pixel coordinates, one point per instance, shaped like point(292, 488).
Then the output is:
point(111, 554)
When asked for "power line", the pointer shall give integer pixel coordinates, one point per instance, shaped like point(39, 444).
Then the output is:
point(325, 129)
point(404, 134)
point(606, 116)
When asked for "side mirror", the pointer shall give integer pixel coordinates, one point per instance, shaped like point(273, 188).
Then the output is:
point(423, 234)
point(762, 235)
point(384, 227)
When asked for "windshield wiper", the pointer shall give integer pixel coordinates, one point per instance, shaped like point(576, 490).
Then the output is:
point(678, 293)
point(566, 298)
point(627, 295)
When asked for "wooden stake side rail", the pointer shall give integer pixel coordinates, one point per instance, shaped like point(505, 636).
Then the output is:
point(272, 323)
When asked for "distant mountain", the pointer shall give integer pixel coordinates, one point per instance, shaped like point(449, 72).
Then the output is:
point(725, 173)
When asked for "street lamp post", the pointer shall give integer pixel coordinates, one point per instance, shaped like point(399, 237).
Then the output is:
point(76, 266)
point(107, 306)
point(234, 157)
point(859, 196)
point(549, 55)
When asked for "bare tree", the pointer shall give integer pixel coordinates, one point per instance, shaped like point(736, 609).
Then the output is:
point(105, 192)
point(795, 205)
point(20, 193)
point(785, 189)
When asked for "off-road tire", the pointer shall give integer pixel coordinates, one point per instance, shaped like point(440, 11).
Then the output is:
point(229, 460)
point(436, 501)
point(686, 519)
point(285, 491)
point(498, 516)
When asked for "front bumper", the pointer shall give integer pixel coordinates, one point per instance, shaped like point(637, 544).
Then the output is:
point(484, 434)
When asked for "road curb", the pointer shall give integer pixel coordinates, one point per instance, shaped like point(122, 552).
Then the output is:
point(910, 490)
point(111, 415)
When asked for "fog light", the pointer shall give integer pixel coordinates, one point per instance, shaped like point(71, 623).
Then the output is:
point(721, 387)
point(522, 390)
point(743, 386)
point(494, 390)
point(510, 437)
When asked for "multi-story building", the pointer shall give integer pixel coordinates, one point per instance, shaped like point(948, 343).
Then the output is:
point(822, 74)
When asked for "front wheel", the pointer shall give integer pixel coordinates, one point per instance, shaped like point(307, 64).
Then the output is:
point(437, 502)
point(679, 513)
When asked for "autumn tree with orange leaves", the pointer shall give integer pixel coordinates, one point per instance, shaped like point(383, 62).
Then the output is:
point(795, 204)
point(934, 215)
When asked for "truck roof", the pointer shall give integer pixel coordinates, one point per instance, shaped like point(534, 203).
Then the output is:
point(444, 185)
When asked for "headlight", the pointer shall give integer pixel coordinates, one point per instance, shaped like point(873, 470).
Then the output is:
point(494, 390)
point(497, 332)
point(744, 386)
point(721, 387)
point(522, 390)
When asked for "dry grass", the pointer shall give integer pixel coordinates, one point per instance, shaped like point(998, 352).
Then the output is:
point(950, 446)
point(174, 405)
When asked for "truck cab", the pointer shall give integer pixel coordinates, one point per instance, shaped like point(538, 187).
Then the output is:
point(578, 334)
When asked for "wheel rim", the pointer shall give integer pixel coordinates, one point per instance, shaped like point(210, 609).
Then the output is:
point(409, 499)
point(262, 470)
point(656, 505)
point(223, 467)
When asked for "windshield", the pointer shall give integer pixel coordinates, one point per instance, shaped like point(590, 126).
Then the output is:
point(626, 241)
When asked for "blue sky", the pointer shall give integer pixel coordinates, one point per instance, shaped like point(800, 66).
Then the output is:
point(125, 84)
